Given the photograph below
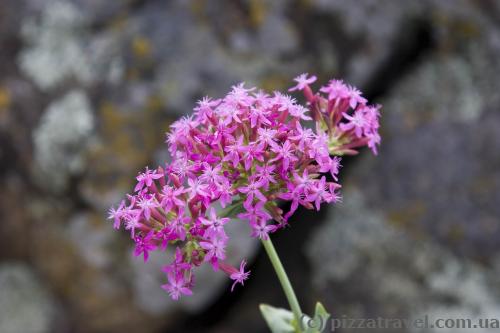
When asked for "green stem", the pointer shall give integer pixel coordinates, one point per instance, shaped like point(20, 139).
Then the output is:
point(285, 282)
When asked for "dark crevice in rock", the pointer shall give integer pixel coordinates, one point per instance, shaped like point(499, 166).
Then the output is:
point(414, 41)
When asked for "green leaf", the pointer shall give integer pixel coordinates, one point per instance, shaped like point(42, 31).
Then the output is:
point(321, 311)
point(318, 323)
point(279, 320)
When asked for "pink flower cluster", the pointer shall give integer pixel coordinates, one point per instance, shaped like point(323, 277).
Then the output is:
point(239, 157)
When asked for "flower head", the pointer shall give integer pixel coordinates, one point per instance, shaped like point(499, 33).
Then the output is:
point(246, 153)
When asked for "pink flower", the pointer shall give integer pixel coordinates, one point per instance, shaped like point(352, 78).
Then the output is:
point(265, 175)
point(285, 102)
point(132, 221)
point(328, 164)
point(303, 136)
point(258, 115)
point(335, 167)
point(285, 153)
point(336, 89)
point(266, 135)
point(204, 110)
point(303, 182)
point(216, 250)
point(143, 245)
point(171, 197)
point(240, 275)
point(117, 214)
point(147, 203)
point(252, 190)
point(303, 81)
point(357, 122)
point(215, 224)
point(197, 188)
point(178, 226)
point(298, 111)
point(296, 194)
point(320, 192)
point(355, 97)
point(176, 286)
point(254, 151)
point(212, 175)
point(255, 213)
point(225, 193)
point(233, 152)
point(260, 229)
point(146, 179)
point(373, 141)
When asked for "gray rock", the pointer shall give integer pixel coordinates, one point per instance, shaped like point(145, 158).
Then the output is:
point(92, 241)
point(436, 166)
point(26, 306)
point(61, 138)
point(365, 268)
point(63, 26)
point(141, 62)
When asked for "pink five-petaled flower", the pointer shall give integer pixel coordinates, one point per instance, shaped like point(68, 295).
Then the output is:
point(146, 178)
point(261, 229)
point(252, 190)
point(225, 193)
point(212, 175)
point(320, 193)
point(266, 135)
point(233, 152)
point(373, 141)
point(171, 197)
point(265, 175)
point(336, 89)
point(357, 122)
point(328, 164)
point(335, 167)
point(239, 276)
point(147, 203)
point(144, 244)
point(302, 81)
point(285, 153)
point(117, 214)
point(178, 226)
point(303, 136)
point(254, 213)
point(355, 97)
point(176, 286)
point(215, 224)
point(204, 110)
point(254, 151)
point(296, 194)
point(258, 115)
point(197, 189)
point(216, 250)
point(298, 111)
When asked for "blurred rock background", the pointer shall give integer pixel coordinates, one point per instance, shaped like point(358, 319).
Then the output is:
point(88, 88)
